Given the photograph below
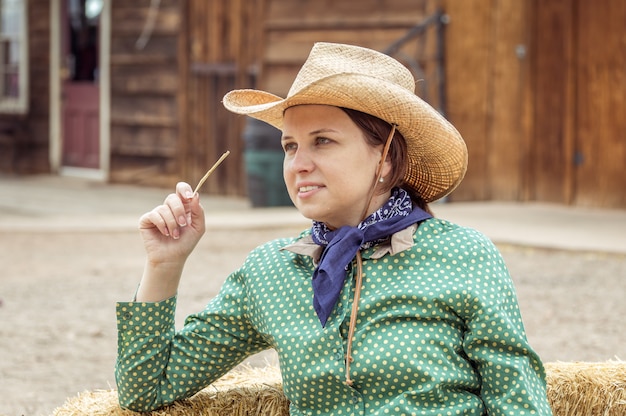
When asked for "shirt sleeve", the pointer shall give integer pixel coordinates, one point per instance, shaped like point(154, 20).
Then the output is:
point(512, 375)
point(157, 365)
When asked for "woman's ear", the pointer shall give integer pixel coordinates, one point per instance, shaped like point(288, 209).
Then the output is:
point(386, 166)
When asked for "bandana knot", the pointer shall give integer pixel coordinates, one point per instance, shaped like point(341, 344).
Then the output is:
point(341, 246)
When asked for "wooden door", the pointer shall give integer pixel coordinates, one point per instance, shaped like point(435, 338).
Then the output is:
point(80, 90)
point(578, 152)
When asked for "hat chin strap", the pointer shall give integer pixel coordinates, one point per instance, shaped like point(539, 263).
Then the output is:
point(359, 259)
point(379, 171)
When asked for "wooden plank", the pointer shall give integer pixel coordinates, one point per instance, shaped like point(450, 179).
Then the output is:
point(256, 37)
point(153, 172)
point(601, 104)
point(146, 141)
point(164, 47)
point(148, 110)
point(468, 62)
point(160, 80)
point(216, 32)
point(369, 13)
point(236, 17)
point(34, 134)
point(286, 51)
point(294, 47)
point(348, 24)
point(278, 78)
point(131, 18)
point(505, 131)
point(552, 85)
point(182, 138)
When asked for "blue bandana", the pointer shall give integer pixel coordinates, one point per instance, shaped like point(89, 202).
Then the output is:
point(341, 246)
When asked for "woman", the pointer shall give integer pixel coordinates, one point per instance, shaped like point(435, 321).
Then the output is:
point(379, 308)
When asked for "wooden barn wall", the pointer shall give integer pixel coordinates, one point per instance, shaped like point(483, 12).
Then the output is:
point(37, 159)
point(292, 27)
point(144, 92)
point(486, 73)
point(221, 46)
point(537, 90)
point(25, 138)
point(167, 120)
point(578, 155)
point(550, 156)
point(600, 99)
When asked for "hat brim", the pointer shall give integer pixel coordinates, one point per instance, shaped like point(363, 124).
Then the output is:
point(437, 154)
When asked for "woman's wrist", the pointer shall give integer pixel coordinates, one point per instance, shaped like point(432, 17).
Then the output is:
point(159, 282)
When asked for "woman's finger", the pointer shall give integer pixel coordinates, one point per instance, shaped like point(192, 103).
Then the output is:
point(167, 218)
point(178, 208)
point(185, 191)
point(154, 219)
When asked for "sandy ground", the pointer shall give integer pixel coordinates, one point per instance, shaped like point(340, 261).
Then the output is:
point(58, 290)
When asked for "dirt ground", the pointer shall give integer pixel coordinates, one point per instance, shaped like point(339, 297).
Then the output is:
point(58, 290)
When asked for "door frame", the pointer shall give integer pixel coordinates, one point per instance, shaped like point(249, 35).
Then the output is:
point(104, 83)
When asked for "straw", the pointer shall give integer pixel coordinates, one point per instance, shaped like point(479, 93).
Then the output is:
point(574, 389)
point(210, 171)
point(590, 389)
point(244, 391)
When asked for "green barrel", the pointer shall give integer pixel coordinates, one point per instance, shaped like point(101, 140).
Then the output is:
point(263, 158)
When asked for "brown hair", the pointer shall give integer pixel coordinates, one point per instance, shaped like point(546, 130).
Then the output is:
point(376, 132)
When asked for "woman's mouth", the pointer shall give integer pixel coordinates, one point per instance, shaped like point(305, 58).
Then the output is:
point(308, 188)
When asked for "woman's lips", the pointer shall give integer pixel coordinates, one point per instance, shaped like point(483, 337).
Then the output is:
point(308, 188)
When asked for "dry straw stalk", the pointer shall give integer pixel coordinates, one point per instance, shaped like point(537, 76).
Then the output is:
point(210, 171)
point(574, 389)
point(587, 389)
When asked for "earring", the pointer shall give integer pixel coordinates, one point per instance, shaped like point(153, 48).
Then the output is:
point(381, 180)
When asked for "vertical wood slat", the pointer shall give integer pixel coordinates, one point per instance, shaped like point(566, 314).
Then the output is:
point(237, 28)
point(184, 80)
point(467, 86)
point(553, 76)
point(505, 131)
point(601, 104)
point(526, 92)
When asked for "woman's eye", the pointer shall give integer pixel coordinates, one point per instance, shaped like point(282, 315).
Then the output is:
point(287, 147)
point(322, 140)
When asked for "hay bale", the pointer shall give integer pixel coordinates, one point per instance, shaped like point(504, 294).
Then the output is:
point(244, 391)
point(574, 389)
point(579, 388)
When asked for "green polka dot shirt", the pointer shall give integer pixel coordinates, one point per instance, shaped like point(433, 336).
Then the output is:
point(438, 332)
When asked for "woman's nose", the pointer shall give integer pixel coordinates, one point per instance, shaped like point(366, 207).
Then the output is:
point(300, 161)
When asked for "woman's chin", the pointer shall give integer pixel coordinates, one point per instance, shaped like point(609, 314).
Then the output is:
point(311, 212)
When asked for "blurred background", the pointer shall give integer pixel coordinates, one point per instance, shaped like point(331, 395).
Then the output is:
point(129, 92)
point(105, 105)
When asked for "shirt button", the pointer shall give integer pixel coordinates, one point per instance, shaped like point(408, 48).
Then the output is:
point(128, 315)
point(338, 356)
point(355, 399)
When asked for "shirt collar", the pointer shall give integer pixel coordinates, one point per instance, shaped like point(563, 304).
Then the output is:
point(400, 241)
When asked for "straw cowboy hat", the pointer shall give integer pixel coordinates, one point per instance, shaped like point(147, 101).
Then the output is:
point(374, 83)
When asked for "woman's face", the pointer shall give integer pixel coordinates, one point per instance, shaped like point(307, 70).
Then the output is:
point(329, 169)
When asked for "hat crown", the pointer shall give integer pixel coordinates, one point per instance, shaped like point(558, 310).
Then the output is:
point(330, 59)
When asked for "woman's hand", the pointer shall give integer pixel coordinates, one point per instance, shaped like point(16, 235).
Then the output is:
point(170, 232)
